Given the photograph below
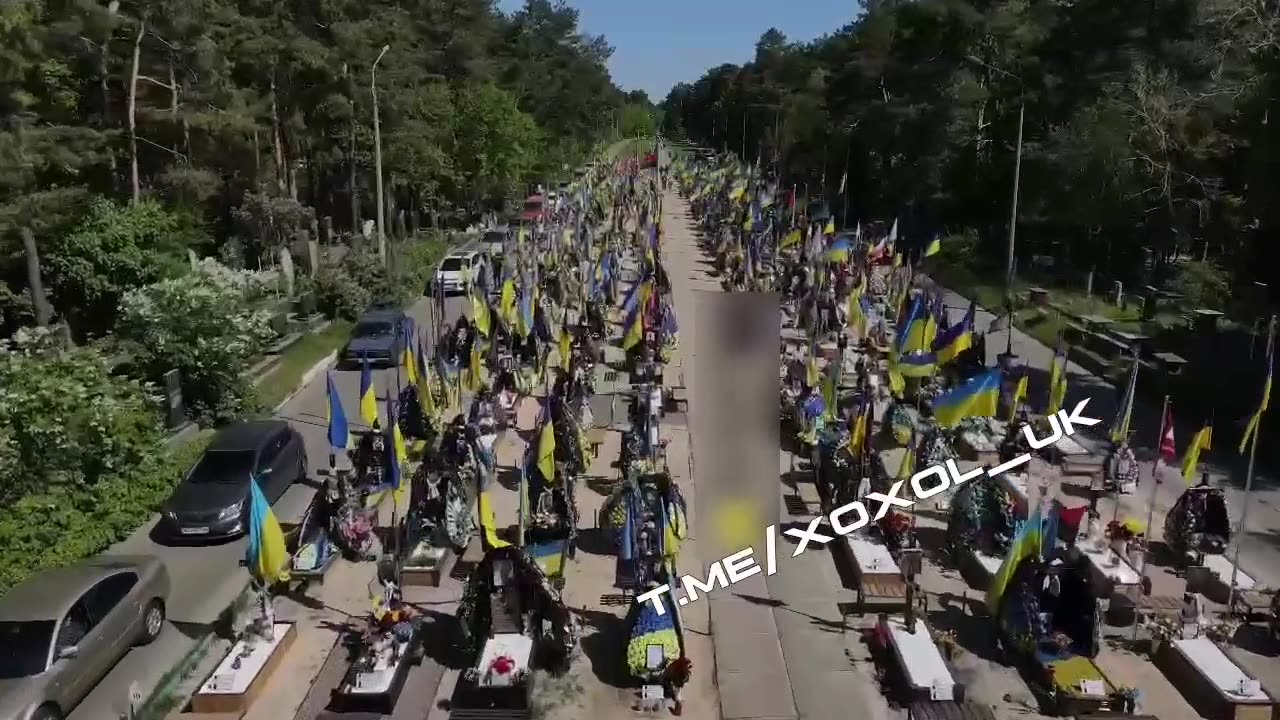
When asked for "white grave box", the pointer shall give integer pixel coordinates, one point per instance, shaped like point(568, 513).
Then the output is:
point(243, 673)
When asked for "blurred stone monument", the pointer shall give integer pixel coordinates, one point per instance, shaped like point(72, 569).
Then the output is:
point(191, 257)
point(286, 271)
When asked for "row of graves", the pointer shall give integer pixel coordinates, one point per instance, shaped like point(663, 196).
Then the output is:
point(914, 391)
point(438, 477)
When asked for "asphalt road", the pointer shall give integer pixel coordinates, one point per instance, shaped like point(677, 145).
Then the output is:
point(206, 580)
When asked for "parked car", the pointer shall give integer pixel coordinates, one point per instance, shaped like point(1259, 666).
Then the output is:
point(454, 275)
point(211, 502)
point(377, 336)
point(63, 630)
point(534, 209)
point(495, 241)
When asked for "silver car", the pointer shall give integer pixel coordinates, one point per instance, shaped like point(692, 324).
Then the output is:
point(63, 630)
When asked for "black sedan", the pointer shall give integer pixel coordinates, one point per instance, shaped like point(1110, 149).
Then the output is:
point(211, 502)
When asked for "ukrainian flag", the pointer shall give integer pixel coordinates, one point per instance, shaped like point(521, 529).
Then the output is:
point(956, 339)
point(977, 397)
point(368, 400)
point(916, 330)
point(916, 364)
point(408, 358)
point(426, 391)
point(650, 628)
point(830, 229)
point(564, 347)
point(636, 296)
point(791, 239)
point(1019, 395)
point(634, 327)
point(265, 556)
point(1026, 545)
point(339, 432)
point(475, 370)
point(839, 250)
point(549, 555)
point(397, 458)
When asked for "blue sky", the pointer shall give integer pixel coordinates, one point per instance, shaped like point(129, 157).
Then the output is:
point(658, 43)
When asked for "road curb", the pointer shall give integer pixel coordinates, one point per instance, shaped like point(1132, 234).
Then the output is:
point(327, 362)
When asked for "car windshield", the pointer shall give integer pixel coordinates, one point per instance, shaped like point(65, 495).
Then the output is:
point(223, 466)
point(26, 648)
point(495, 237)
point(452, 263)
point(374, 328)
point(533, 207)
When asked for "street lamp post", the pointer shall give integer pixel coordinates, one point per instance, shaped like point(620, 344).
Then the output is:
point(377, 155)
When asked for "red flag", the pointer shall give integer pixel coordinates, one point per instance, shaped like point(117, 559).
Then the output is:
point(1168, 450)
point(1071, 516)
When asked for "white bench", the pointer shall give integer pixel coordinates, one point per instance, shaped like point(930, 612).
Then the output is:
point(921, 662)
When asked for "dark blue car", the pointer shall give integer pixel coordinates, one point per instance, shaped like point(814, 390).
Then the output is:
point(378, 336)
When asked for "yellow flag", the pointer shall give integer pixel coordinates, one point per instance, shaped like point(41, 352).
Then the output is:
point(564, 347)
point(934, 247)
point(480, 314)
point(489, 523)
point(1019, 394)
point(830, 229)
point(401, 496)
point(410, 366)
point(1202, 441)
point(507, 303)
point(426, 393)
point(547, 452)
point(791, 239)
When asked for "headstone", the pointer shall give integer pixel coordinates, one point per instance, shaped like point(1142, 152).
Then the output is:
point(367, 229)
point(313, 257)
point(1118, 290)
point(175, 414)
point(191, 257)
point(1088, 284)
point(400, 226)
point(325, 235)
point(286, 271)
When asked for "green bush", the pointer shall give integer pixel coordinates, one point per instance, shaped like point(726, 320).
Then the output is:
point(1202, 284)
point(65, 421)
point(346, 288)
point(76, 522)
point(203, 325)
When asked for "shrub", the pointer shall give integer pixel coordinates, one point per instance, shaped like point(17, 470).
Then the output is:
point(1202, 284)
point(203, 325)
point(65, 421)
point(77, 522)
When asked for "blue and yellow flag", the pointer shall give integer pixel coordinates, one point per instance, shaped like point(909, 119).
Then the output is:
point(397, 457)
point(409, 357)
point(977, 397)
point(339, 431)
point(634, 327)
point(839, 250)
point(266, 555)
point(958, 338)
point(507, 303)
point(368, 400)
point(1026, 544)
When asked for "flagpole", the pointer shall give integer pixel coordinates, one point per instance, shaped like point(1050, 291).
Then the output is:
point(1151, 505)
point(1248, 483)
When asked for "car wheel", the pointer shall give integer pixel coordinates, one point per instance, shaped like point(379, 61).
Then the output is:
point(47, 712)
point(152, 622)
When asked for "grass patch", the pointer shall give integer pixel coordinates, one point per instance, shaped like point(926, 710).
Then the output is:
point(297, 359)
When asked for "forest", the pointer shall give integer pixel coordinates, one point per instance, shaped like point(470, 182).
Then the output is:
point(134, 131)
point(1146, 138)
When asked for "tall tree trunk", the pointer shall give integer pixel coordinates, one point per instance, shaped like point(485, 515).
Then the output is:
point(257, 158)
point(353, 184)
point(35, 282)
point(104, 91)
point(135, 183)
point(173, 108)
point(277, 142)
